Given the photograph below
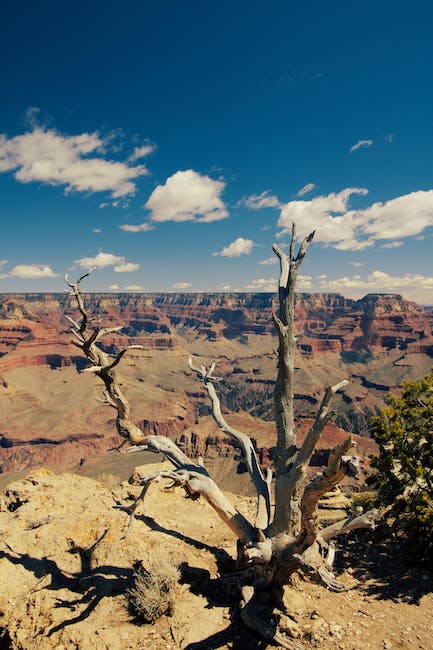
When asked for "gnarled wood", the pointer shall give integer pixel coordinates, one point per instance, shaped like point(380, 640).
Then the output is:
point(277, 543)
point(245, 444)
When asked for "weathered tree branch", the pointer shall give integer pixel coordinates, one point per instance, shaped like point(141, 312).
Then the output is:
point(196, 481)
point(242, 441)
point(365, 520)
point(317, 487)
point(102, 364)
point(283, 392)
point(291, 482)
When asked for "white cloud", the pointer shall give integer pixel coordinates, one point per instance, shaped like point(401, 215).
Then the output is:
point(263, 200)
point(270, 284)
point(269, 260)
point(309, 187)
point(96, 230)
point(404, 216)
point(326, 214)
point(3, 262)
point(133, 287)
point(102, 260)
point(113, 287)
point(182, 285)
point(389, 138)
point(379, 281)
point(262, 284)
point(393, 244)
point(237, 248)
point(72, 161)
point(142, 227)
point(126, 267)
point(141, 152)
point(356, 264)
point(187, 196)
point(31, 271)
point(360, 144)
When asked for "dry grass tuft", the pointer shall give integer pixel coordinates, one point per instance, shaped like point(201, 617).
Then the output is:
point(153, 593)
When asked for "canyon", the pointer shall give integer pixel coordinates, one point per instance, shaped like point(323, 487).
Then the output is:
point(49, 414)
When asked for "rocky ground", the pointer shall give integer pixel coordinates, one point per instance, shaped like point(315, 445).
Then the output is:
point(66, 559)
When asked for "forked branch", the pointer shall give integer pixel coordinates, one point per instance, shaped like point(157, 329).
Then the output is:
point(103, 364)
point(243, 442)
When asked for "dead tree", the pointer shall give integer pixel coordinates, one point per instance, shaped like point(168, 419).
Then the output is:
point(285, 537)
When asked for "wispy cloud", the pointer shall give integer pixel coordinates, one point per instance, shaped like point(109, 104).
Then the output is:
point(262, 284)
point(133, 287)
point(389, 138)
point(141, 152)
point(182, 285)
point(142, 227)
point(356, 264)
point(269, 260)
point(75, 162)
point(97, 230)
point(258, 201)
point(188, 196)
point(237, 248)
point(309, 187)
point(104, 260)
point(126, 267)
point(393, 244)
point(361, 144)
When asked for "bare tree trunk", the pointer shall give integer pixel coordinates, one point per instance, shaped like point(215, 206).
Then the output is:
point(279, 542)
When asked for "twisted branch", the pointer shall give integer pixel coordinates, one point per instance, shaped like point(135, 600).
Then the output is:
point(102, 364)
point(249, 456)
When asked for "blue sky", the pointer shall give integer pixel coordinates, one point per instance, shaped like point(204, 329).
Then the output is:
point(169, 144)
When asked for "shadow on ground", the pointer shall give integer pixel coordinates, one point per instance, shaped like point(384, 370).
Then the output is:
point(90, 585)
point(384, 566)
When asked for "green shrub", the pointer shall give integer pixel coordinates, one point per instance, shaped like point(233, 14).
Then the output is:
point(404, 478)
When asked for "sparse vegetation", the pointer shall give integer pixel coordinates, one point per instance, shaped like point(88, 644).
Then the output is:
point(404, 478)
point(153, 593)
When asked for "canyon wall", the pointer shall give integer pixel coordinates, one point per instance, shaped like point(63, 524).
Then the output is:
point(49, 414)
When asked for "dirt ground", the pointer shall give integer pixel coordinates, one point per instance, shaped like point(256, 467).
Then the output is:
point(66, 565)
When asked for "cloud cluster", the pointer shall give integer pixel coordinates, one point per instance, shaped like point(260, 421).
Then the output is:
point(29, 271)
point(75, 162)
point(188, 196)
point(240, 246)
point(327, 215)
point(103, 260)
point(378, 281)
point(304, 283)
point(338, 226)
